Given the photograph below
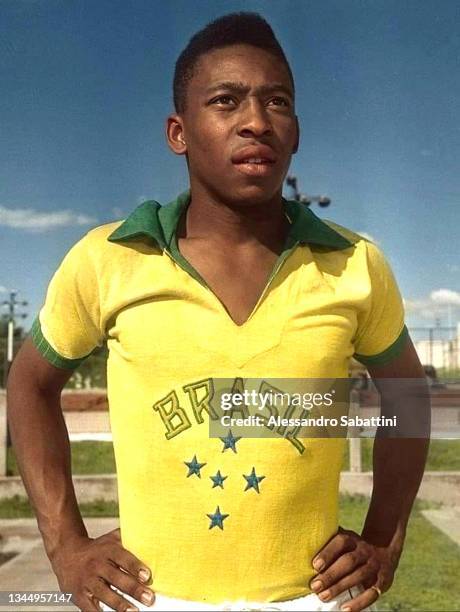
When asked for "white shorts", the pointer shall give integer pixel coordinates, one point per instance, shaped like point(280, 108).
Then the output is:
point(302, 604)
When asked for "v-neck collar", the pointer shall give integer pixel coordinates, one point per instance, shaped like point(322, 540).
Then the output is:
point(159, 224)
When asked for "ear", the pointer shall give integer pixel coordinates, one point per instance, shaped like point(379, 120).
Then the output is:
point(296, 144)
point(175, 134)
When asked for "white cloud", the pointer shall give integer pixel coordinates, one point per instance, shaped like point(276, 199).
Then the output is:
point(445, 296)
point(434, 306)
point(453, 267)
point(426, 309)
point(3, 289)
point(36, 221)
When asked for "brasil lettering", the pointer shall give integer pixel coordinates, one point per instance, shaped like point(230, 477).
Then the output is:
point(199, 396)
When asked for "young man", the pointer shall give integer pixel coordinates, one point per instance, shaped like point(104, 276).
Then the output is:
point(232, 281)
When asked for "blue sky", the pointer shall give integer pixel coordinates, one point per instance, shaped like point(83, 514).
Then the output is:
point(86, 87)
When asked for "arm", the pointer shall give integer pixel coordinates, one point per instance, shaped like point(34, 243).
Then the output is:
point(83, 566)
point(371, 559)
point(398, 463)
point(33, 395)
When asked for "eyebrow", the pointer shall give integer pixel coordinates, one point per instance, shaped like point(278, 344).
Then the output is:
point(239, 87)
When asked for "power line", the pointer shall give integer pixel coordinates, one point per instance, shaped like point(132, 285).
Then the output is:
point(11, 317)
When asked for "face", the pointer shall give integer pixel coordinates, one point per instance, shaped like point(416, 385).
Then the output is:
point(239, 128)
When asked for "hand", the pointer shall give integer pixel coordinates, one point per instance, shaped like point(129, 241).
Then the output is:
point(86, 567)
point(349, 561)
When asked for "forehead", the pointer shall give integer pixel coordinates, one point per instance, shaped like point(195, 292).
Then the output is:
point(239, 63)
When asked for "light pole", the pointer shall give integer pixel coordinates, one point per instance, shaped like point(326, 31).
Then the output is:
point(11, 316)
point(322, 200)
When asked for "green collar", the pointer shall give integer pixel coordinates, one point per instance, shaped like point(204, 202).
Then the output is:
point(159, 224)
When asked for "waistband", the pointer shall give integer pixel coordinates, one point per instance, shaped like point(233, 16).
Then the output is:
point(309, 602)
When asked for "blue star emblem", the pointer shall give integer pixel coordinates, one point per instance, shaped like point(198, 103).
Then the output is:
point(217, 519)
point(253, 480)
point(230, 441)
point(218, 480)
point(194, 467)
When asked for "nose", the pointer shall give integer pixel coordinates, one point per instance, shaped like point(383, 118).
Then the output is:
point(254, 119)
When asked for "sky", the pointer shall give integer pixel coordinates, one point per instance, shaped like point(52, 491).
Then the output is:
point(86, 87)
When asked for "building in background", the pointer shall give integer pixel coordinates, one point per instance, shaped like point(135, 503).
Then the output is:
point(440, 352)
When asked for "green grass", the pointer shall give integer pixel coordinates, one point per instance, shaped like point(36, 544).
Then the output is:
point(93, 458)
point(19, 507)
point(448, 374)
point(98, 458)
point(443, 455)
point(427, 577)
point(88, 457)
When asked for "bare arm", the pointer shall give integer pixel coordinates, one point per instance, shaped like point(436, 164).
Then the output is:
point(398, 463)
point(41, 443)
point(371, 559)
point(84, 566)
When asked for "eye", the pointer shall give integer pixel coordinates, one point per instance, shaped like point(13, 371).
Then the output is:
point(280, 101)
point(222, 99)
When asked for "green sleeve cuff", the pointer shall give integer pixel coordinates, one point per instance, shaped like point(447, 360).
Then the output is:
point(47, 351)
point(388, 354)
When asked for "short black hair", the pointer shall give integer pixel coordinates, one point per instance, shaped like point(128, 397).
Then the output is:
point(233, 29)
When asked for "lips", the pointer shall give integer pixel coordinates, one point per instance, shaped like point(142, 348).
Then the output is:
point(257, 154)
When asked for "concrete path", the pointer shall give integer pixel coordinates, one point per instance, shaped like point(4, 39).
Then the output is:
point(439, 487)
point(31, 570)
point(447, 520)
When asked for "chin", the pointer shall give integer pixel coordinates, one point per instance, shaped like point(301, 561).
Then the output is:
point(251, 195)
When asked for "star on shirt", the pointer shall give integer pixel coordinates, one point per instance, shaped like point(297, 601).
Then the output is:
point(217, 519)
point(253, 480)
point(230, 441)
point(194, 467)
point(218, 480)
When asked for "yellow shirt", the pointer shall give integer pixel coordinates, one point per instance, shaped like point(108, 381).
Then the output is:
point(219, 519)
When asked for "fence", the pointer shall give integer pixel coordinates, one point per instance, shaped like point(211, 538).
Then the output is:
point(438, 346)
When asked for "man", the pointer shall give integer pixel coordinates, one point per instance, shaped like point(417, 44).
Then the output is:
point(232, 281)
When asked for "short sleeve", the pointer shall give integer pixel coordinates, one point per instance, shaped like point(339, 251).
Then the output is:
point(381, 333)
point(67, 328)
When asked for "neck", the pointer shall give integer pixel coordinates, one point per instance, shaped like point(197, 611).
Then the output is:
point(215, 220)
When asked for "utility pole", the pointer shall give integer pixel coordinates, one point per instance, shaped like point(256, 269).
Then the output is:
point(322, 200)
point(10, 317)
